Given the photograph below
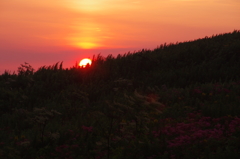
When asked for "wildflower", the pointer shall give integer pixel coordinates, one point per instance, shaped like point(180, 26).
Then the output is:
point(198, 91)
point(226, 90)
point(155, 121)
point(123, 122)
point(151, 98)
point(99, 143)
point(216, 120)
point(25, 143)
point(70, 132)
point(155, 133)
point(88, 129)
point(203, 94)
point(61, 148)
point(74, 146)
point(172, 156)
point(16, 138)
point(115, 89)
point(151, 157)
point(218, 126)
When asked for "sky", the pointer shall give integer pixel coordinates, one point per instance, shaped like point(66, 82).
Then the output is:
point(44, 32)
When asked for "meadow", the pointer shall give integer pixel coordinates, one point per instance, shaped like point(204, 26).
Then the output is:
point(178, 101)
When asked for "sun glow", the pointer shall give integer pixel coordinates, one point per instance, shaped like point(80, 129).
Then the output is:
point(88, 5)
point(87, 45)
point(89, 35)
point(84, 62)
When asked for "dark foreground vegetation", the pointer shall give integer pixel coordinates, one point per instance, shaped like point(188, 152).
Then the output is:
point(177, 101)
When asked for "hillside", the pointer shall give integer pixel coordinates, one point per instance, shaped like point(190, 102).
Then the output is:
point(124, 106)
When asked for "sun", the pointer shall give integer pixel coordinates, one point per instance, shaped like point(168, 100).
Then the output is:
point(83, 63)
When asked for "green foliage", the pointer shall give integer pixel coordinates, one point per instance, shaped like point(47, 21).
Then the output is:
point(176, 101)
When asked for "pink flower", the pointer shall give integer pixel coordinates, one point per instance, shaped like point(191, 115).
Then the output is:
point(74, 146)
point(88, 129)
point(61, 148)
point(226, 90)
point(218, 126)
point(199, 134)
point(197, 91)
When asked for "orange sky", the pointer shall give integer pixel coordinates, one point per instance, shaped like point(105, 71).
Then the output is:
point(44, 32)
